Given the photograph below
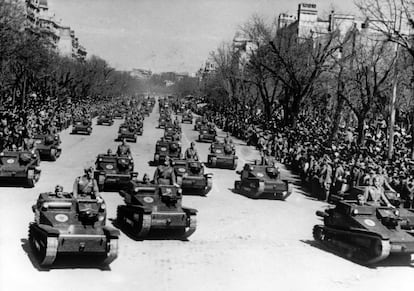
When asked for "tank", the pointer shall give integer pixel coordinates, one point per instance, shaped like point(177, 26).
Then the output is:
point(187, 118)
point(163, 120)
point(262, 181)
point(82, 126)
point(165, 148)
point(155, 210)
point(19, 168)
point(199, 122)
point(364, 233)
point(127, 132)
point(105, 119)
point(140, 130)
point(118, 114)
point(48, 146)
point(191, 177)
point(139, 127)
point(146, 110)
point(172, 127)
point(352, 194)
point(68, 226)
point(222, 156)
point(207, 134)
point(171, 134)
point(112, 171)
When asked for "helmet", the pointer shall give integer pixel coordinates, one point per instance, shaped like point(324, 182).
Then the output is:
point(109, 152)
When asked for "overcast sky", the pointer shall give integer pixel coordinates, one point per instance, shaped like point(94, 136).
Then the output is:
point(167, 35)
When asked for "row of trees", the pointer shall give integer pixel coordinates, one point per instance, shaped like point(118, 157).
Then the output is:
point(341, 76)
point(28, 65)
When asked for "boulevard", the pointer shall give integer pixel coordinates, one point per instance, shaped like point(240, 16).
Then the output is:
point(239, 244)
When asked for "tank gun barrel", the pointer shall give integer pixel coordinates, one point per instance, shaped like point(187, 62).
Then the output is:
point(322, 214)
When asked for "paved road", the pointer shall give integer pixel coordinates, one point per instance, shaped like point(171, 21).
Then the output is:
point(239, 244)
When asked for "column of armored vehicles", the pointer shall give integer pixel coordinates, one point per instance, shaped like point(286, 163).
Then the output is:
point(64, 224)
point(75, 223)
point(362, 231)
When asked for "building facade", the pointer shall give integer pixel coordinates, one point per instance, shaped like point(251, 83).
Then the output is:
point(306, 22)
point(141, 74)
point(40, 20)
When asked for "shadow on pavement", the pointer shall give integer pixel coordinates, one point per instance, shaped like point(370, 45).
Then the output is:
point(394, 260)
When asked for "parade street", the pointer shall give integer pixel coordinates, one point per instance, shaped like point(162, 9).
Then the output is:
point(239, 244)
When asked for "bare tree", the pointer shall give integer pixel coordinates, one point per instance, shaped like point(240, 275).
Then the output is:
point(257, 35)
point(367, 78)
point(298, 63)
point(395, 20)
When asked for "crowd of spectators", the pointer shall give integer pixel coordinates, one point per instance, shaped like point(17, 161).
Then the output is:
point(19, 124)
point(328, 166)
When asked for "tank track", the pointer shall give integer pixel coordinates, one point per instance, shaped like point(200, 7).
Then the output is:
point(141, 228)
point(192, 225)
point(138, 229)
point(112, 247)
point(360, 246)
point(43, 246)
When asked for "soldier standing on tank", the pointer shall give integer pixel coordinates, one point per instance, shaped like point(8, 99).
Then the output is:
point(123, 149)
point(191, 152)
point(86, 185)
point(164, 174)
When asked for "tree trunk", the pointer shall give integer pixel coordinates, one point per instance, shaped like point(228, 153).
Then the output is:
point(360, 130)
point(294, 111)
point(412, 135)
point(337, 118)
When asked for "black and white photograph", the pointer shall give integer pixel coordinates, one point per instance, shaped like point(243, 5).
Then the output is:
point(206, 145)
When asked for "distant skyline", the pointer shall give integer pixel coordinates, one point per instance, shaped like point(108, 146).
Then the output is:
point(167, 35)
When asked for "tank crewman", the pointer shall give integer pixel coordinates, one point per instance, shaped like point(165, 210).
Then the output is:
point(164, 174)
point(176, 136)
point(59, 191)
point(109, 152)
point(52, 128)
point(191, 152)
point(86, 185)
point(375, 194)
point(228, 139)
point(176, 123)
point(123, 149)
point(146, 179)
point(266, 159)
point(28, 142)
